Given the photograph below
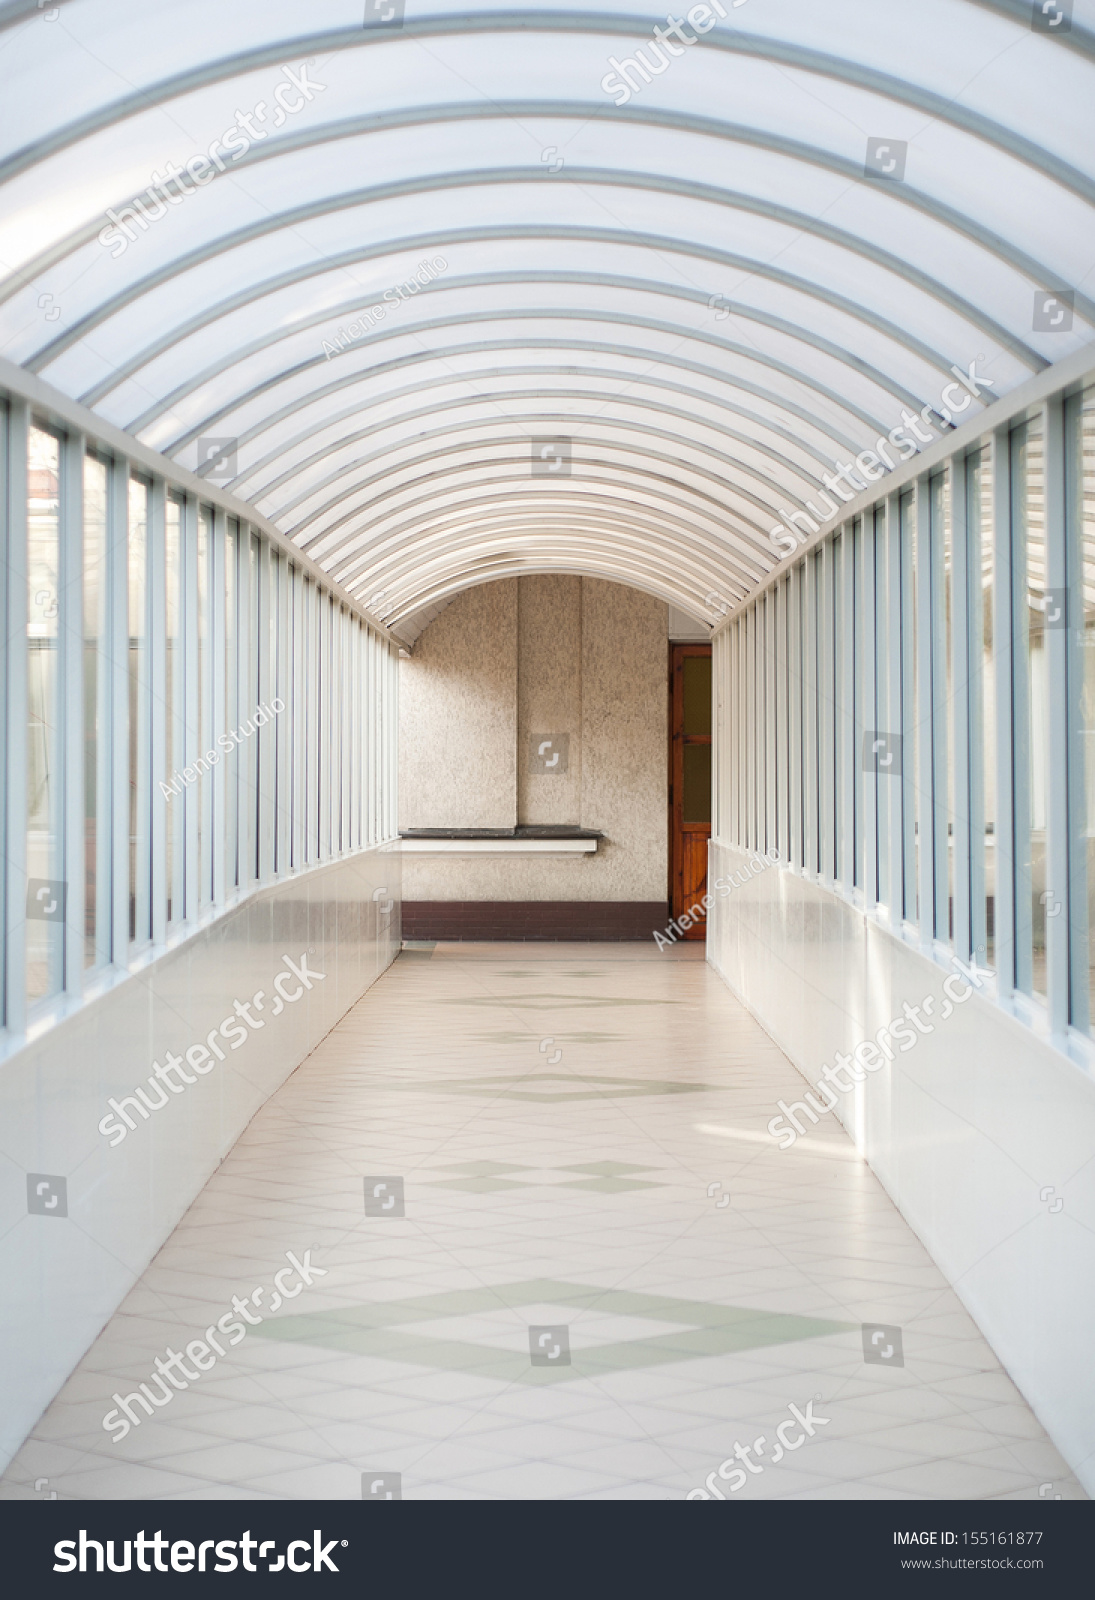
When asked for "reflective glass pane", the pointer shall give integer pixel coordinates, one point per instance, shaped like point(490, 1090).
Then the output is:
point(1032, 731)
point(983, 703)
point(697, 694)
point(140, 925)
point(696, 801)
point(46, 891)
point(96, 691)
point(1082, 448)
point(174, 689)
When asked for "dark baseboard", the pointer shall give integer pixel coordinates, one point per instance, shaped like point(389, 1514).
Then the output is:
point(533, 919)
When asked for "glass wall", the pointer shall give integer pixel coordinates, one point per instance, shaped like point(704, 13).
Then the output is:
point(1080, 511)
point(947, 643)
point(178, 740)
point(46, 885)
point(96, 666)
point(982, 706)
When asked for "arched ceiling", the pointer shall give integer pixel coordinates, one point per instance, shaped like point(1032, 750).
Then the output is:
point(709, 290)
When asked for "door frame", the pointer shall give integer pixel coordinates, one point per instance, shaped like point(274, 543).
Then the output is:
point(678, 654)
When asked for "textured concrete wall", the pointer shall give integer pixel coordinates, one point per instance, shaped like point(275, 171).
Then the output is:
point(549, 693)
point(572, 656)
point(458, 715)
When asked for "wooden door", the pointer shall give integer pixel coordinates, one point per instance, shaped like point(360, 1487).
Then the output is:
point(689, 779)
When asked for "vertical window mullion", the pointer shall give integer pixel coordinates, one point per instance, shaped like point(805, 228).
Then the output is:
point(1057, 626)
point(280, 727)
point(191, 716)
point(844, 667)
point(118, 626)
point(773, 720)
point(71, 667)
point(300, 710)
point(910, 780)
point(1021, 754)
point(981, 780)
point(344, 690)
point(941, 709)
point(140, 760)
point(826, 700)
point(313, 656)
point(218, 672)
point(1004, 653)
point(747, 731)
point(264, 735)
point(355, 733)
point(246, 645)
point(15, 713)
point(100, 646)
point(925, 713)
point(1081, 770)
point(782, 751)
point(810, 759)
point(794, 719)
point(729, 760)
point(373, 724)
point(962, 746)
point(866, 776)
point(158, 708)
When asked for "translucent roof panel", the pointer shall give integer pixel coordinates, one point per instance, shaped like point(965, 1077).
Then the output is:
point(512, 290)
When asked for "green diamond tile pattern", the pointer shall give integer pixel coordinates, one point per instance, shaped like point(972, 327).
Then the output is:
point(607, 1169)
point(609, 1185)
point(480, 1185)
point(385, 1331)
point(483, 1169)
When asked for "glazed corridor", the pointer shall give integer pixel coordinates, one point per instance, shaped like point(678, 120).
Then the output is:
point(579, 1136)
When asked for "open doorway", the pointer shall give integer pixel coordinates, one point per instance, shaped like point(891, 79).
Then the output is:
point(689, 779)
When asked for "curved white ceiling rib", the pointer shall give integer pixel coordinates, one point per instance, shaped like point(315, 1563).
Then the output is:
point(709, 290)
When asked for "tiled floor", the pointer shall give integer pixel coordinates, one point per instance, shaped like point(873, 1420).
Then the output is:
point(580, 1131)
